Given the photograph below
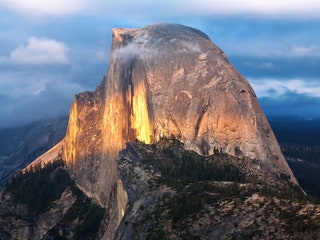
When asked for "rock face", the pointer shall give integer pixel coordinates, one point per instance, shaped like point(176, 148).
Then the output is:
point(165, 80)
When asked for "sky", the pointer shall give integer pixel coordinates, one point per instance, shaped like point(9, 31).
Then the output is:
point(53, 49)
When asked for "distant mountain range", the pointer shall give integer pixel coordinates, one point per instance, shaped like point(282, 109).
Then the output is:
point(19, 146)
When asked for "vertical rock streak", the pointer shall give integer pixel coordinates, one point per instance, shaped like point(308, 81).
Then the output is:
point(140, 113)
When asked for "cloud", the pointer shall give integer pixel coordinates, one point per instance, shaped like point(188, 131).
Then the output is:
point(22, 88)
point(29, 96)
point(193, 47)
point(276, 88)
point(288, 97)
point(268, 65)
point(256, 36)
point(305, 51)
point(143, 48)
point(45, 8)
point(272, 47)
point(136, 48)
point(265, 8)
point(149, 9)
point(38, 51)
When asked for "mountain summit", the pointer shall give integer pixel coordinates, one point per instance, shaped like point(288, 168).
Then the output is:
point(165, 80)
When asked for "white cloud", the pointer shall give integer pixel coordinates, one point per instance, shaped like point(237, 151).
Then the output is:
point(275, 88)
point(272, 47)
point(38, 51)
point(193, 47)
point(305, 51)
point(136, 48)
point(263, 8)
point(44, 7)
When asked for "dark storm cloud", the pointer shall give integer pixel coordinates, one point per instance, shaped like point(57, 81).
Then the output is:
point(292, 105)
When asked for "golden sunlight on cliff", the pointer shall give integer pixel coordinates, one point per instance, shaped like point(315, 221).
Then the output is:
point(71, 136)
point(140, 115)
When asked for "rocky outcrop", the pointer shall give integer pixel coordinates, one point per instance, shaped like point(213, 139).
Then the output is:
point(42, 202)
point(171, 197)
point(19, 221)
point(164, 80)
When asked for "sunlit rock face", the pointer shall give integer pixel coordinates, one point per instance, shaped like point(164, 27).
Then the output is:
point(165, 80)
point(82, 150)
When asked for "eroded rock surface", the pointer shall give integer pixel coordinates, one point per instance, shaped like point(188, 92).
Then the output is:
point(164, 80)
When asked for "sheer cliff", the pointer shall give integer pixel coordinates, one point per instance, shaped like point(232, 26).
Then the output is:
point(165, 80)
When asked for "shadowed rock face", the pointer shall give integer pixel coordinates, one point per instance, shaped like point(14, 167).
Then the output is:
point(165, 80)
